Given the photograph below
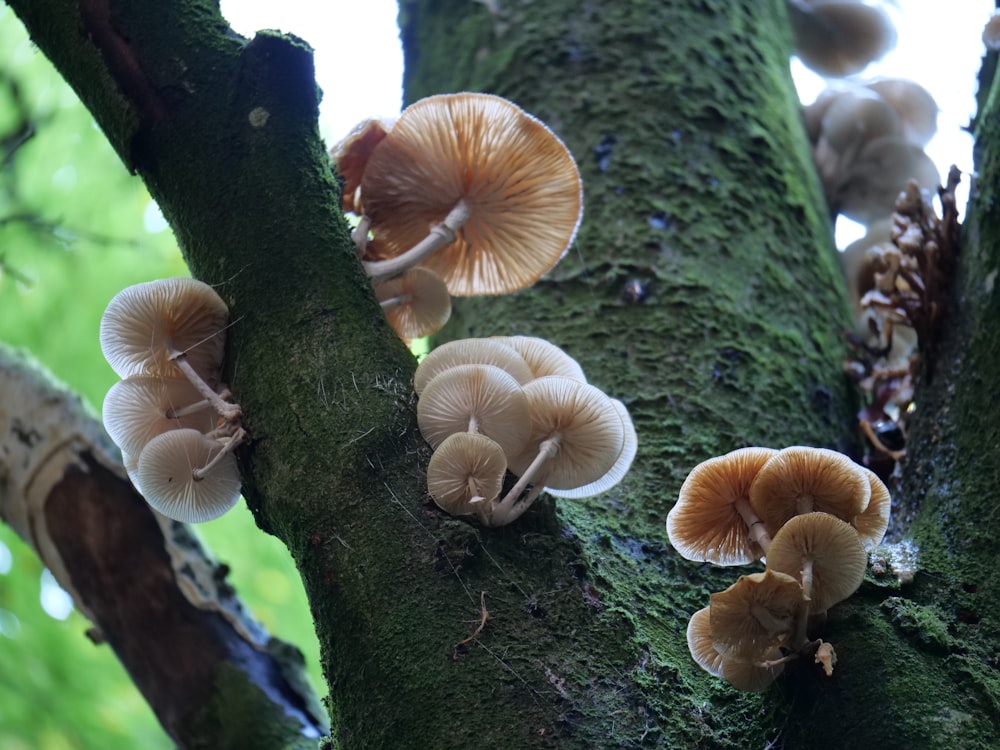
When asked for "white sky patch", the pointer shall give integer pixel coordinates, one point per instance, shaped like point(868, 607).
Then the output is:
point(6, 559)
point(941, 49)
point(152, 218)
point(359, 65)
point(359, 58)
point(56, 602)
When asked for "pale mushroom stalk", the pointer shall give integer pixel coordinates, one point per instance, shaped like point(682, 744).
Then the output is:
point(504, 512)
point(439, 235)
point(756, 526)
point(360, 235)
point(183, 411)
point(227, 447)
point(229, 412)
point(401, 299)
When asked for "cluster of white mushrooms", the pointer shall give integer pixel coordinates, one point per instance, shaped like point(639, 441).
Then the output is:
point(517, 403)
point(868, 142)
point(813, 514)
point(169, 413)
point(464, 194)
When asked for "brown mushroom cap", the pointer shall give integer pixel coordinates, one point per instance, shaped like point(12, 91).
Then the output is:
point(466, 473)
point(617, 472)
point(837, 38)
point(699, 640)
point(420, 303)
point(543, 357)
point(517, 178)
point(470, 352)
point(351, 155)
point(141, 407)
point(800, 480)
point(145, 324)
point(166, 479)
point(751, 676)
point(757, 613)
point(583, 421)
point(704, 524)
point(824, 548)
point(872, 522)
point(480, 394)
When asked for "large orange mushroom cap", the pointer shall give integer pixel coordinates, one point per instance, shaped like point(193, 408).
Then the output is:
point(705, 525)
point(517, 178)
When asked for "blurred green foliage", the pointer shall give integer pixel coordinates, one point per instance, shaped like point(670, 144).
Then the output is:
point(75, 228)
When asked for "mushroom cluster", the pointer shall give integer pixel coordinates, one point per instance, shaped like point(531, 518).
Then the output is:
point(897, 279)
point(170, 414)
point(868, 142)
point(521, 404)
point(838, 38)
point(464, 194)
point(813, 514)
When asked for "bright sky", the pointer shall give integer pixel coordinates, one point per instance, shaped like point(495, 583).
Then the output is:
point(937, 48)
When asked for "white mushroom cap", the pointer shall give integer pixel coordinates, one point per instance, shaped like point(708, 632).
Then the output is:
point(471, 352)
point(543, 357)
point(166, 477)
point(416, 302)
point(475, 398)
point(466, 472)
point(586, 425)
point(141, 407)
point(837, 38)
point(617, 472)
point(145, 324)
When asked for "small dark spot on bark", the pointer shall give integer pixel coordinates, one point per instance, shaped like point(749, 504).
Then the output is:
point(634, 291)
point(603, 151)
point(967, 616)
point(659, 220)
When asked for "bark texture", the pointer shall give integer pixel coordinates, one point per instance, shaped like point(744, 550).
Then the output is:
point(211, 673)
point(703, 291)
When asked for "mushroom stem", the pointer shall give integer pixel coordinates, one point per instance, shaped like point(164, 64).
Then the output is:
point(400, 299)
point(755, 526)
point(360, 235)
point(183, 411)
point(229, 412)
point(438, 236)
point(504, 511)
point(227, 447)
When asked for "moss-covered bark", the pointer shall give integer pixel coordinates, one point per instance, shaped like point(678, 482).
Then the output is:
point(703, 291)
point(699, 193)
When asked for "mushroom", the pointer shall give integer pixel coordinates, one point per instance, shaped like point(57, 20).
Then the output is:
point(913, 103)
point(759, 612)
point(170, 328)
point(489, 180)
point(187, 476)
point(824, 554)
point(475, 398)
point(141, 407)
point(576, 437)
point(465, 474)
point(743, 675)
point(712, 520)
point(617, 472)
point(416, 302)
point(699, 640)
point(543, 357)
point(801, 480)
point(471, 352)
point(838, 38)
point(351, 155)
point(868, 190)
point(872, 522)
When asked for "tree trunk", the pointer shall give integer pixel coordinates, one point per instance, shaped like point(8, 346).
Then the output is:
point(703, 290)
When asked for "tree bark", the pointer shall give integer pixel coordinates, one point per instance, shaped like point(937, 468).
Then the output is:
point(212, 675)
point(703, 290)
